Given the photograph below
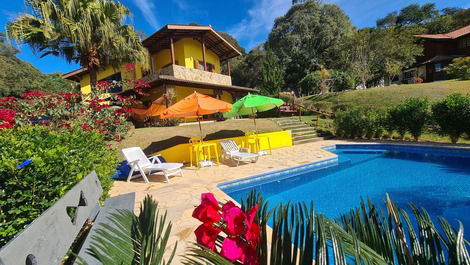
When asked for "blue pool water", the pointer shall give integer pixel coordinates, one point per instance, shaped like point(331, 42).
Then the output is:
point(437, 179)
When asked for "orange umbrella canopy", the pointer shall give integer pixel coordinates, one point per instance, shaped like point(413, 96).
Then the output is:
point(196, 104)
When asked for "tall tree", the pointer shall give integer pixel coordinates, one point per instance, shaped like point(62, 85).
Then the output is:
point(247, 69)
point(310, 34)
point(412, 14)
point(88, 32)
point(273, 75)
point(362, 53)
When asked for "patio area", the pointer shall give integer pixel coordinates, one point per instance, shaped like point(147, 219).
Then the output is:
point(182, 194)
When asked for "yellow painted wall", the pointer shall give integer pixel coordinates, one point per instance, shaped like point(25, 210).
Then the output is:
point(180, 153)
point(85, 85)
point(193, 51)
point(186, 51)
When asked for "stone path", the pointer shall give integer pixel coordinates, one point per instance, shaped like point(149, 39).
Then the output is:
point(182, 194)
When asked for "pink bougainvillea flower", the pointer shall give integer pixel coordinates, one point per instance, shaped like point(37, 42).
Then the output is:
point(250, 256)
point(233, 249)
point(208, 210)
point(252, 231)
point(206, 235)
point(235, 219)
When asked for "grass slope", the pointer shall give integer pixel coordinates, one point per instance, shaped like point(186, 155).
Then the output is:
point(383, 97)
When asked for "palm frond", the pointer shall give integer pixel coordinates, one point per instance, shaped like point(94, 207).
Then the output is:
point(130, 239)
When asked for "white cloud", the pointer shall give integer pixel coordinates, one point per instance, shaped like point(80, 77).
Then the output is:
point(148, 9)
point(259, 21)
point(181, 4)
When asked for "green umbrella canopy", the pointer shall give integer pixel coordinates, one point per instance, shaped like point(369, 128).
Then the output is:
point(251, 104)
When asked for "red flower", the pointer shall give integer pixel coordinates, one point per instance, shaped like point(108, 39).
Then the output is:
point(6, 126)
point(252, 232)
point(235, 219)
point(86, 127)
point(250, 258)
point(32, 95)
point(130, 68)
point(206, 235)
point(7, 115)
point(117, 138)
point(208, 210)
point(233, 249)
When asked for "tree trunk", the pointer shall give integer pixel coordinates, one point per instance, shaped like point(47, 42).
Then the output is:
point(93, 78)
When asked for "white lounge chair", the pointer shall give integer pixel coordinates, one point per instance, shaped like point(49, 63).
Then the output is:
point(231, 151)
point(137, 160)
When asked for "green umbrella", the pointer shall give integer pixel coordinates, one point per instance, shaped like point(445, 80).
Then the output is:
point(251, 104)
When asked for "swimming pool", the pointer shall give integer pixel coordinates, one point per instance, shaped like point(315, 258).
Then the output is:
point(437, 179)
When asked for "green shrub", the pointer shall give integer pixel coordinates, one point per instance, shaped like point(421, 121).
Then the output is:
point(452, 115)
point(460, 68)
point(59, 161)
point(163, 123)
point(342, 80)
point(410, 116)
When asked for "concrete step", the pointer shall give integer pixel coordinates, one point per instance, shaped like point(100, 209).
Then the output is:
point(307, 141)
point(304, 137)
point(303, 129)
point(297, 126)
point(305, 132)
point(290, 123)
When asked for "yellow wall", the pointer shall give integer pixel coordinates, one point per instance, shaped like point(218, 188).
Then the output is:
point(180, 153)
point(85, 85)
point(186, 51)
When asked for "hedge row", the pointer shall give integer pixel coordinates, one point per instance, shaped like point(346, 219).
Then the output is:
point(38, 166)
point(451, 115)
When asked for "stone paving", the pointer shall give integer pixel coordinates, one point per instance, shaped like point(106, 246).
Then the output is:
point(182, 194)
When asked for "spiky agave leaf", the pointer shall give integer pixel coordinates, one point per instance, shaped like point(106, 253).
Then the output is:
point(131, 239)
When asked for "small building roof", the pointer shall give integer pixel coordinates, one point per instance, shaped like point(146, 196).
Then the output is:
point(161, 39)
point(451, 35)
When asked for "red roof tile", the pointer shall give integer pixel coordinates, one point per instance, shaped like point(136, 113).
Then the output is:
point(451, 35)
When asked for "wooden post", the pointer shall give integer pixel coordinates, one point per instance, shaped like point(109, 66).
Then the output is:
point(204, 53)
point(172, 51)
point(229, 67)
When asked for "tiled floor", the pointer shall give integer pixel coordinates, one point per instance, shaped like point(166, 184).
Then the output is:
point(182, 194)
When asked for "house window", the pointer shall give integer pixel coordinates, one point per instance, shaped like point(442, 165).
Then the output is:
point(115, 81)
point(438, 67)
point(200, 65)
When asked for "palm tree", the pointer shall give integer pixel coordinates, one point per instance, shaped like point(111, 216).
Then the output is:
point(88, 32)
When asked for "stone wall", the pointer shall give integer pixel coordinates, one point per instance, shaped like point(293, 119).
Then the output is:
point(185, 73)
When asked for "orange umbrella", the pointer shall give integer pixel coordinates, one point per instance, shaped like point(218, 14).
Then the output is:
point(196, 104)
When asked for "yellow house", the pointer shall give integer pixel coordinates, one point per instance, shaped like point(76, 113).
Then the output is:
point(183, 59)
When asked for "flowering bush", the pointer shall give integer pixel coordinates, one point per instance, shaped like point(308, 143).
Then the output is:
point(98, 111)
point(242, 233)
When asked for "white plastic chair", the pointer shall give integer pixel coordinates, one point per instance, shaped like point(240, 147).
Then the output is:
point(137, 160)
point(231, 151)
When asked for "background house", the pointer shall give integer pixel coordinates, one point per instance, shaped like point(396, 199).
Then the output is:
point(183, 59)
point(439, 51)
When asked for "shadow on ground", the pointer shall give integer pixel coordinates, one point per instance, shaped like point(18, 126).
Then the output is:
point(165, 144)
point(224, 134)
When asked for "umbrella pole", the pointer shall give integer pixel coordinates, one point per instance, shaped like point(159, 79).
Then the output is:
point(200, 128)
point(254, 120)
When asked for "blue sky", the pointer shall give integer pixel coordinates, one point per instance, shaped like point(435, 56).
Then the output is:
point(248, 20)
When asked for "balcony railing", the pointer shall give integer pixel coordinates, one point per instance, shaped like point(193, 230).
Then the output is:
point(190, 74)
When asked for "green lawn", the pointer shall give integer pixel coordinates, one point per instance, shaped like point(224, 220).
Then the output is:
point(380, 98)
